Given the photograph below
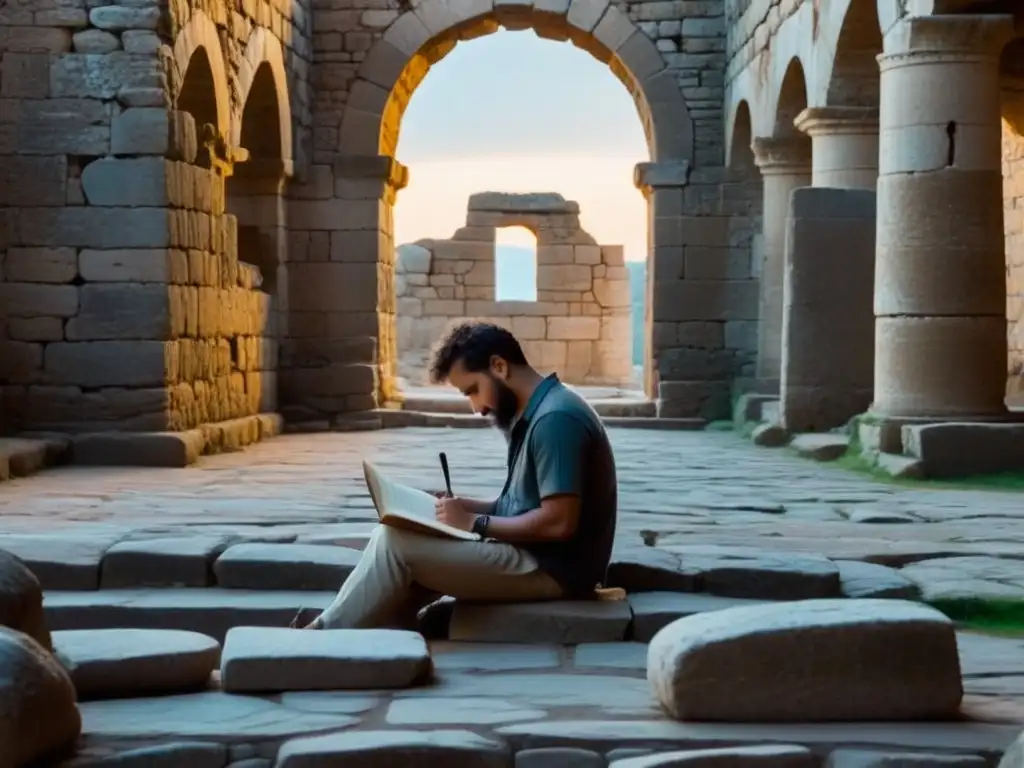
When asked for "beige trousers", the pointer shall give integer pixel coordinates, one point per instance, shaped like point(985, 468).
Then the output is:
point(401, 571)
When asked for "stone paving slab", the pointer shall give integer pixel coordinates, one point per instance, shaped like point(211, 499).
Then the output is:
point(677, 489)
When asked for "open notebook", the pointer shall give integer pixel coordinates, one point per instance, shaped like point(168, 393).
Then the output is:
point(402, 506)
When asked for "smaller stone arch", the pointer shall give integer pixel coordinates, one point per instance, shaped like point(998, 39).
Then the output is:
point(791, 100)
point(739, 138)
point(853, 77)
point(262, 75)
point(199, 35)
point(419, 38)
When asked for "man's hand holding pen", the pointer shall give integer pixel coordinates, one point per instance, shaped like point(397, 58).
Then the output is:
point(451, 510)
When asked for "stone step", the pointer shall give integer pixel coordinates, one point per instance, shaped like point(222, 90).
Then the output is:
point(24, 456)
point(209, 611)
point(214, 611)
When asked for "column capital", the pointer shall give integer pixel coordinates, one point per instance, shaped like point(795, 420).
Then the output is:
point(366, 167)
point(784, 154)
point(648, 177)
point(831, 121)
point(941, 37)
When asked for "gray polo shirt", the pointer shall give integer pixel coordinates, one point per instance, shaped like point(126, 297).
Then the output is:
point(559, 445)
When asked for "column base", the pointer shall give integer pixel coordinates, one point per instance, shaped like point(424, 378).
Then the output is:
point(945, 448)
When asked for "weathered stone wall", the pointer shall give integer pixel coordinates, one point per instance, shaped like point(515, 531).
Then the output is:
point(1013, 212)
point(579, 326)
point(123, 304)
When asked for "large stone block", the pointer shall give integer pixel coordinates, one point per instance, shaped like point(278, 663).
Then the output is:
point(105, 663)
point(27, 180)
point(136, 182)
point(828, 327)
point(104, 76)
point(38, 300)
point(74, 126)
point(40, 265)
point(121, 311)
point(108, 363)
point(832, 660)
point(92, 227)
point(281, 659)
point(154, 131)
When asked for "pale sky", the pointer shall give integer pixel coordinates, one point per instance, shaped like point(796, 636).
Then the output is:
point(512, 112)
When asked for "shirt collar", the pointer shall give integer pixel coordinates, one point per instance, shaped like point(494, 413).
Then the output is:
point(539, 393)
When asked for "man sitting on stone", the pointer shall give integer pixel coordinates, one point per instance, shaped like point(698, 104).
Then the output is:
point(548, 535)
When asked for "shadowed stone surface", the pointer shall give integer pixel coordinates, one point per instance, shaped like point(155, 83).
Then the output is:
point(559, 621)
point(831, 660)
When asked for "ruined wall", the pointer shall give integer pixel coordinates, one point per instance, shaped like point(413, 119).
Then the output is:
point(1013, 212)
point(579, 326)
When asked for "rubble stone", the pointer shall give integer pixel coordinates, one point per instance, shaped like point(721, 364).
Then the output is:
point(37, 702)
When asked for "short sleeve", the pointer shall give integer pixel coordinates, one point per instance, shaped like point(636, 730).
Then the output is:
point(558, 445)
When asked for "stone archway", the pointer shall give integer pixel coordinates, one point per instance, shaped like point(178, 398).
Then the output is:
point(785, 162)
point(367, 177)
point(200, 84)
point(254, 192)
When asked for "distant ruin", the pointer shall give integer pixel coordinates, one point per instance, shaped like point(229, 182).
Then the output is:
point(579, 326)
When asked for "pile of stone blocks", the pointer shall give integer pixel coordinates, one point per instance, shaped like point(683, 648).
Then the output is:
point(580, 325)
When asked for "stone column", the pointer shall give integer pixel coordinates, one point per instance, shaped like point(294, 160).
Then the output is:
point(785, 165)
point(845, 142)
point(940, 281)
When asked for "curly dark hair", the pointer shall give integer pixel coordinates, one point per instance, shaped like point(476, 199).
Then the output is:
point(474, 344)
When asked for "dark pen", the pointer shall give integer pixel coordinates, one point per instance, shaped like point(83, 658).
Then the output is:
point(447, 475)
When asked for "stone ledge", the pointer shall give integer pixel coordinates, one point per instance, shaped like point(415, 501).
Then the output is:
point(24, 456)
point(962, 449)
point(171, 449)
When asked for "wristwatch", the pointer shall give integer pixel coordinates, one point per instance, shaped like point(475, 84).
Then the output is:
point(480, 525)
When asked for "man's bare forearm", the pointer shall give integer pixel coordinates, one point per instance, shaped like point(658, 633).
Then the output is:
point(478, 506)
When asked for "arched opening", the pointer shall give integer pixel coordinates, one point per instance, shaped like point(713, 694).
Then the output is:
point(792, 101)
point(367, 178)
point(545, 255)
point(745, 198)
point(1012, 72)
point(855, 81)
point(198, 97)
point(515, 264)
